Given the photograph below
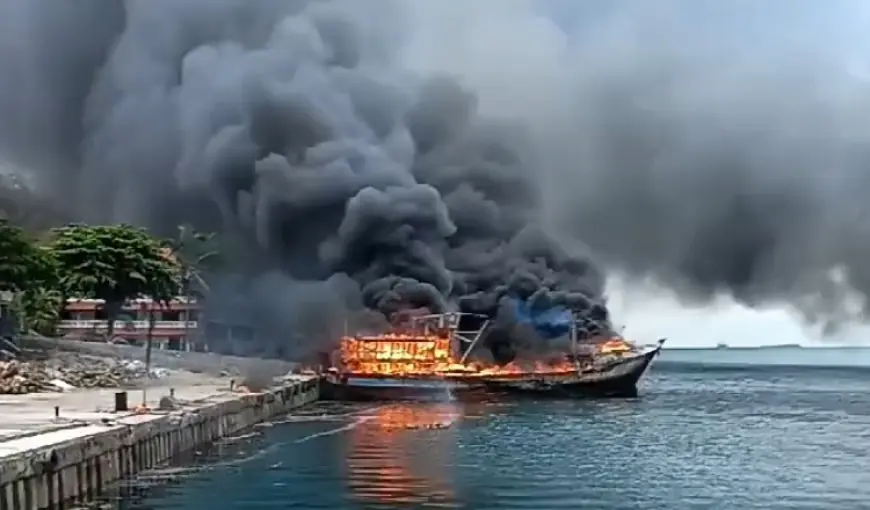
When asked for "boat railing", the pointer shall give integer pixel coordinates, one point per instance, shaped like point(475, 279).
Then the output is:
point(449, 320)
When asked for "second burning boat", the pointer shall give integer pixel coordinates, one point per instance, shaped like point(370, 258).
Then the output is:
point(412, 362)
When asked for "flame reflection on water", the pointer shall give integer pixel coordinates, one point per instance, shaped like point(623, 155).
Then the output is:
point(402, 456)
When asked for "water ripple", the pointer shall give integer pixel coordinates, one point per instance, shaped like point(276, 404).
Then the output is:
point(726, 439)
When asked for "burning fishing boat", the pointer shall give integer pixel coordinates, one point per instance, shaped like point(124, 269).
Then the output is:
point(596, 361)
point(425, 359)
point(610, 368)
point(416, 360)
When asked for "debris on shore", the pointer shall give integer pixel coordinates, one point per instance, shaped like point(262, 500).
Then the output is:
point(63, 372)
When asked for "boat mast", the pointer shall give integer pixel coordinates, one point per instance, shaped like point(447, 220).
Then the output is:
point(474, 342)
point(574, 337)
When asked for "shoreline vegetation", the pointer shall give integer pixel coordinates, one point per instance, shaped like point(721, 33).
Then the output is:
point(112, 263)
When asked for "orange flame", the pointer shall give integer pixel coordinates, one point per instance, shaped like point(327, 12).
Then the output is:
point(398, 354)
point(416, 354)
point(386, 464)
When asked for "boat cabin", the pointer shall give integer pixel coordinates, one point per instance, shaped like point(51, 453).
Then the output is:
point(419, 345)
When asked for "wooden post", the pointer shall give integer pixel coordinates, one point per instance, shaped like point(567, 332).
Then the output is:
point(148, 346)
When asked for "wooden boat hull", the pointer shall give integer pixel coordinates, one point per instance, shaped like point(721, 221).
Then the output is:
point(617, 380)
point(620, 380)
point(390, 388)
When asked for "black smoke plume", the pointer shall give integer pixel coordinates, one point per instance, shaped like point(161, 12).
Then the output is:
point(361, 157)
point(290, 127)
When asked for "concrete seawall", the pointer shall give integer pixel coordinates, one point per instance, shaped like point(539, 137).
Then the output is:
point(75, 464)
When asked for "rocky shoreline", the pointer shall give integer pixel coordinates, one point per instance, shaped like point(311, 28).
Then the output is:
point(60, 371)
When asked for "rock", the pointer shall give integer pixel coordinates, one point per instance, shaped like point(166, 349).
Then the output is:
point(19, 377)
point(61, 385)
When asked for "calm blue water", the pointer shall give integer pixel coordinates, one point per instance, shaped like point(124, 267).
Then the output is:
point(702, 435)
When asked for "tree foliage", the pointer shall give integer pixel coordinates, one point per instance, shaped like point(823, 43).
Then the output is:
point(23, 263)
point(114, 263)
point(196, 252)
point(38, 309)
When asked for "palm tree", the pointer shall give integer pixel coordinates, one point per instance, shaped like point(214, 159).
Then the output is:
point(38, 310)
point(194, 251)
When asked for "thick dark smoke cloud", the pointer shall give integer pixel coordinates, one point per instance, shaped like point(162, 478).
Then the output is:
point(380, 154)
point(294, 128)
point(726, 145)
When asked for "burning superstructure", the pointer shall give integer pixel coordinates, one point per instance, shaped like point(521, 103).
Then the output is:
point(397, 354)
point(418, 345)
point(414, 359)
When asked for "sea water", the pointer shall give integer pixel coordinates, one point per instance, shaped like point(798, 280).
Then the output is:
point(724, 429)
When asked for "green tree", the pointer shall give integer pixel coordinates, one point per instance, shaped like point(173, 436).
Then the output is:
point(114, 263)
point(23, 263)
point(29, 271)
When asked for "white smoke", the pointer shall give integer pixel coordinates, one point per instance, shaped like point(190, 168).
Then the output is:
point(650, 311)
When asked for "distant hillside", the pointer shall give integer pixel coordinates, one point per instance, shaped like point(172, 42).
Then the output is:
point(24, 208)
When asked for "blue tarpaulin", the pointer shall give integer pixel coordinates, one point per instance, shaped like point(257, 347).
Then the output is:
point(549, 323)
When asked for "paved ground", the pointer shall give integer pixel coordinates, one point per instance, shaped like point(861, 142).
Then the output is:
point(28, 422)
point(193, 376)
point(34, 413)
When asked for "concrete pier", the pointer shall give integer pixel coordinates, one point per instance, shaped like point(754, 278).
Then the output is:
point(49, 461)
